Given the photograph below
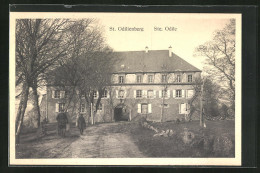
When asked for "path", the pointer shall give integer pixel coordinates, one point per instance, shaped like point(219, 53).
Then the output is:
point(97, 143)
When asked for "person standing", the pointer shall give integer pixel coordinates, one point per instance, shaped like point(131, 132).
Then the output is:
point(81, 124)
point(62, 121)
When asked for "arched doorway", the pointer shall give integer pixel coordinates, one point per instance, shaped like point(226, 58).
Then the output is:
point(121, 113)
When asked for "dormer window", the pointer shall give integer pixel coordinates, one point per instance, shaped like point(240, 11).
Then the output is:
point(164, 78)
point(150, 78)
point(121, 79)
point(178, 78)
point(139, 78)
point(189, 78)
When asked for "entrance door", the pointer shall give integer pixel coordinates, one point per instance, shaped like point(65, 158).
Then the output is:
point(118, 113)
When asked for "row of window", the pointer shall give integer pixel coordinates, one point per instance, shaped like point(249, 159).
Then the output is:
point(57, 94)
point(164, 78)
point(144, 108)
point(150, 94)
point(60, 107)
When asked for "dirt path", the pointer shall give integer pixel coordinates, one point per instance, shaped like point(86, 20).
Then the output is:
point(96, 142)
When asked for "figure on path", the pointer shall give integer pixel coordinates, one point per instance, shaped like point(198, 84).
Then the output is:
point(81, 124)
point(62, 121)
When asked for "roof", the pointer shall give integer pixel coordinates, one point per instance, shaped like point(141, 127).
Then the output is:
point(152, 61)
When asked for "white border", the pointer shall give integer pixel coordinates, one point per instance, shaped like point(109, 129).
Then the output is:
point(123, 161)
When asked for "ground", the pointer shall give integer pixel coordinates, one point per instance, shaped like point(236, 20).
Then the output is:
point(129, 139)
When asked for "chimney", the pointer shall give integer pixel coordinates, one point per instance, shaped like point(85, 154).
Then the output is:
point(170, 51)
point(146, 49)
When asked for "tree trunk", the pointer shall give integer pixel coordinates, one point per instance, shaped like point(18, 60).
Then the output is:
point(21, 111)
point(36, 106)
point(162, 111)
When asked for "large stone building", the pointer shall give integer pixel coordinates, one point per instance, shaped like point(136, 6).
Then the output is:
point(156, 84)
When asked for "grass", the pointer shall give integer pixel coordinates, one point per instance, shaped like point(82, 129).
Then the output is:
point(216, 140)
point(212, 141)
point(34, 145)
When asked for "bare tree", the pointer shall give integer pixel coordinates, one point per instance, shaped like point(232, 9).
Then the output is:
point(209, 99)
point(39, 44)
point(220, 59)
point(167, 78)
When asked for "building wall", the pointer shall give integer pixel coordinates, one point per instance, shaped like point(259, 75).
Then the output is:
point(171, 112)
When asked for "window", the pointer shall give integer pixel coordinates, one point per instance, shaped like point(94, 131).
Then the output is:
point(150, 78)
point(178, 78)
point(66, 94)
point(150, 94)
point(189, 78)
point(121, 79)
point(184, 108)
point(61, 107)
point(190, 93)
point(164, 94)
point(164, 78)
point(138, 93)
point(144, 109)
point(121, 94)
point(95, 94)
point(139, 78)
point(82, 108)
point(104, 94)
point(178, 93)
point(57, 94)
point(100, 107)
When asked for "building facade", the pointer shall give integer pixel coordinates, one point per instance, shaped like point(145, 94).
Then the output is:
point(155, 84)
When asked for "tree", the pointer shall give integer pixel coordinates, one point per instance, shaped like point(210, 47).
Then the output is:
point(40, 43)
point(220, 59)
point(167, 79)
point(210, 98)
point(87, 67)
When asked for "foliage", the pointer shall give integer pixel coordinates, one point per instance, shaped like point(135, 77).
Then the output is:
point(87, 67)
point(41, 44)
point(220, 60)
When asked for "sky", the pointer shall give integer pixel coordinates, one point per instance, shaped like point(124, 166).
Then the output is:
point(191, 31)
point(185, 32)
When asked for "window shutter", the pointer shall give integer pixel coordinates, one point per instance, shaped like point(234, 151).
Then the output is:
point(184, 78)
point(191, 93)
point(187, 93)
point(149, 108)
point(57, 107)
point(179, 108)
point(183, 108)
point(125, 93)
point(160, 93)
point(134, 93)
point(187, 108)
point(168, 93)
point(173, 93)
point(53, 93)
point(116, 79)
point(139, 108)
point(116, 93)
point(97, 94)
point(154, 94)
point(62, 94)
point(108, 93)
point(182, 93)
point(144, 93)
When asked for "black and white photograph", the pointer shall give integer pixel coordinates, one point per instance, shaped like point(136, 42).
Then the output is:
point(125, 89)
